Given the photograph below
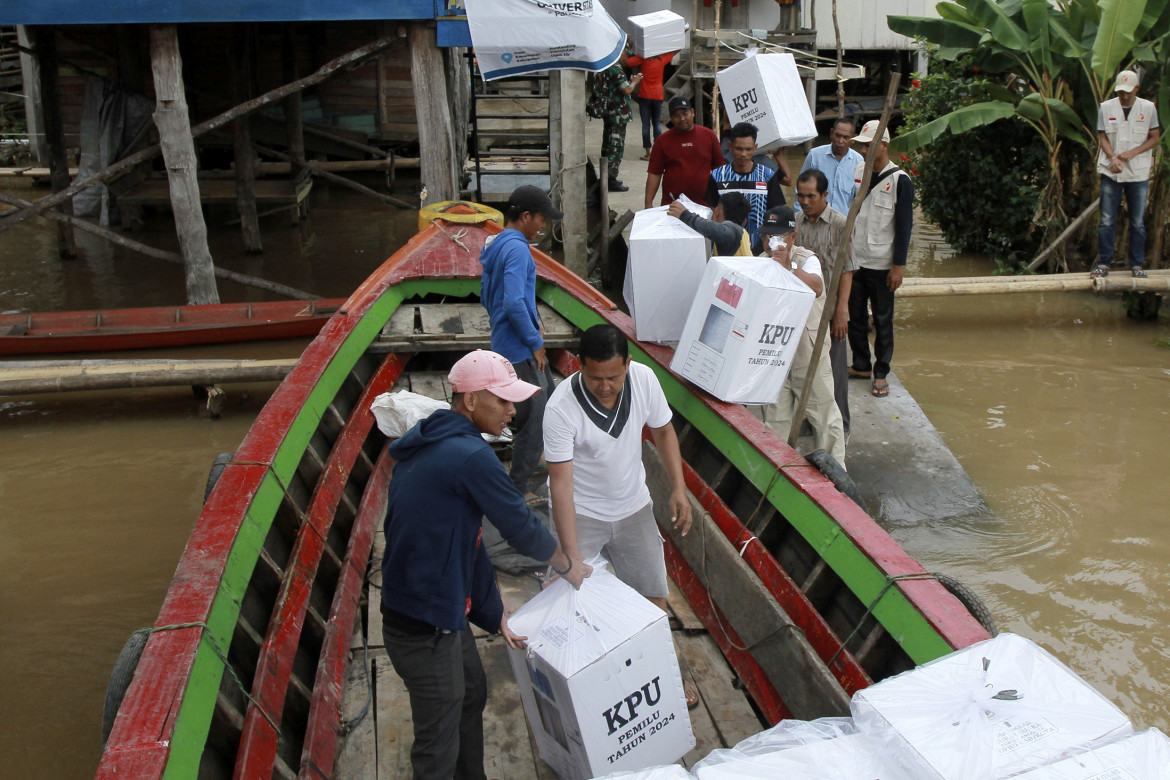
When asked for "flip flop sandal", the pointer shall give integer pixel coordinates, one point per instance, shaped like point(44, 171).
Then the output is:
point(880, 392)
point(1099, 272)
point(1140, 274)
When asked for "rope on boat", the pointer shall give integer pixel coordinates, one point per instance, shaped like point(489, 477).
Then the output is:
point(346, 728)
point(457, 238)
point(302, 518)
point(207, 634)
point(890, 582)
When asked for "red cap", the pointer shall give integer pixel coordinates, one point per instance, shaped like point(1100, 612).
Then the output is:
point(483, 370)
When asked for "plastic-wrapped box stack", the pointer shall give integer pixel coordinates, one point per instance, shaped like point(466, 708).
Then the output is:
point(795, 749)
point(991, 710)
point(766, 90)
point(665, 267)
point(1144, 756)
point(657, 33)
point(599, 679)
point(743, 329)
point(668, 772)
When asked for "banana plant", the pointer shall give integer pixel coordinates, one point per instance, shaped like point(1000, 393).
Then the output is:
point(1062, 56)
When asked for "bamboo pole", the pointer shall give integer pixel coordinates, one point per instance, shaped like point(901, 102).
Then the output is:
point(314, 167)
point(159, 254)
point(268, 98)
point(29, 377)
point(1068, 231)
point(839, 263)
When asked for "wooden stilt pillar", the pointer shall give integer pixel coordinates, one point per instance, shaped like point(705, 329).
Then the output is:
point(242, 136)
point(46, 47)
point(571, 171)
point(32, 94)
point(178, 150)
point(294, 126)
point(435, 135)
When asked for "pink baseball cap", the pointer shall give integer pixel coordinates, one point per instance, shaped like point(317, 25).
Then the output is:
point(484, 370)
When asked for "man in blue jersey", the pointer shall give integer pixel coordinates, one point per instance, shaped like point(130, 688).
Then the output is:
point(837, 160)
point(758, 183)
point(509, 295)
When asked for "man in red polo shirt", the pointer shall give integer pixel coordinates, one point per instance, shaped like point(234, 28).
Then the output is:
point(683, 157)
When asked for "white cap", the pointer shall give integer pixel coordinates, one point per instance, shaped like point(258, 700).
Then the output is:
point(1127, 81)
point(869, 130)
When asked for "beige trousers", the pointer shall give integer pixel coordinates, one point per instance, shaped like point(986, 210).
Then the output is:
point(822, 412)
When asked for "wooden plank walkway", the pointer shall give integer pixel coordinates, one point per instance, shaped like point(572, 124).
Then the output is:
point(378, 746)
point(269, 192)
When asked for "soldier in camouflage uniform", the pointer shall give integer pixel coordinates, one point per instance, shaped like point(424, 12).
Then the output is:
point(609, 101)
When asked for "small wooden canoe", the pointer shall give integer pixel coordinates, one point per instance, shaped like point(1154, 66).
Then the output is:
point(161, 326)
point(241, 676)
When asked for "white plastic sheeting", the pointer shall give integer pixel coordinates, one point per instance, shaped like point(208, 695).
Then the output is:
point(991, 710)
point(657, 33)
point(665, 267)
point(513, 37)
point(1145, 756)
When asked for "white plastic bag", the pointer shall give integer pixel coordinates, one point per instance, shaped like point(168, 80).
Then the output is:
point(512, 37)
point(396, 413)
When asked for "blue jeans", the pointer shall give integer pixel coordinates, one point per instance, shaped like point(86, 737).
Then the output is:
point(1135, 199)
point(651, 111)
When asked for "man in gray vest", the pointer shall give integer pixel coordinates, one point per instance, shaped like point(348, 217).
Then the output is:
point(1128, 128)
point(881, 238)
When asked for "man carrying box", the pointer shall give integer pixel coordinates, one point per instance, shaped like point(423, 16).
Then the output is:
point(597, 483)
point(780, 235)
point(436, 575)
point(727, 228)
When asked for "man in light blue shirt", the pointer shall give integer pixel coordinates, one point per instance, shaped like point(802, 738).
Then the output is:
point(838, 162)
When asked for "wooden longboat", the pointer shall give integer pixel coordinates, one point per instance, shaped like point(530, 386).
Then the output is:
point(780, 566)
point(161, 326)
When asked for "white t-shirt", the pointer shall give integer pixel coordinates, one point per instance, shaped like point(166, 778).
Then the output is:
point(609, 482)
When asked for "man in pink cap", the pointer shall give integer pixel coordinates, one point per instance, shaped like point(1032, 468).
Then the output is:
point(1127, 127)
point(436, 575)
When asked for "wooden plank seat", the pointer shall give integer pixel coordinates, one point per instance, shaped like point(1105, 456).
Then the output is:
point(459, 327)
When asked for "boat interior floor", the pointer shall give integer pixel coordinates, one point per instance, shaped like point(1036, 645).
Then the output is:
point(377, 745)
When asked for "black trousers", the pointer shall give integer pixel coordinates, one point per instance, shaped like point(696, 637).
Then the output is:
point(448, 691)
point(871, 290)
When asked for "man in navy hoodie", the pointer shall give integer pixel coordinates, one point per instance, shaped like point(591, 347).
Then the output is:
point(509, 295)
point(436, 575)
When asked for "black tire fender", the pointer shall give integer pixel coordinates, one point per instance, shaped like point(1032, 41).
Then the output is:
point(120, 679)
point(969, 599)
point(217, 466)
point(828, 465)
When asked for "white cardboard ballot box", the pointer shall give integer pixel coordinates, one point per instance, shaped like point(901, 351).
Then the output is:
point(766, 90)
point(743, 329)
point(991, 710)
point(1144, 756)
point(657, 33)
point(599, 679)
point(666, 263)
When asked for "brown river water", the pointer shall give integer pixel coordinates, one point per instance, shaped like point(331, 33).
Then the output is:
point(1056, 404)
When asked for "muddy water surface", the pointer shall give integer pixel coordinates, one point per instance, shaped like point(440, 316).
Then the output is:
point(1057, 405)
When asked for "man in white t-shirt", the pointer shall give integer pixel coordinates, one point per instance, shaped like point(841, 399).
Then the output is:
point(779, 235)
point(597, 484)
